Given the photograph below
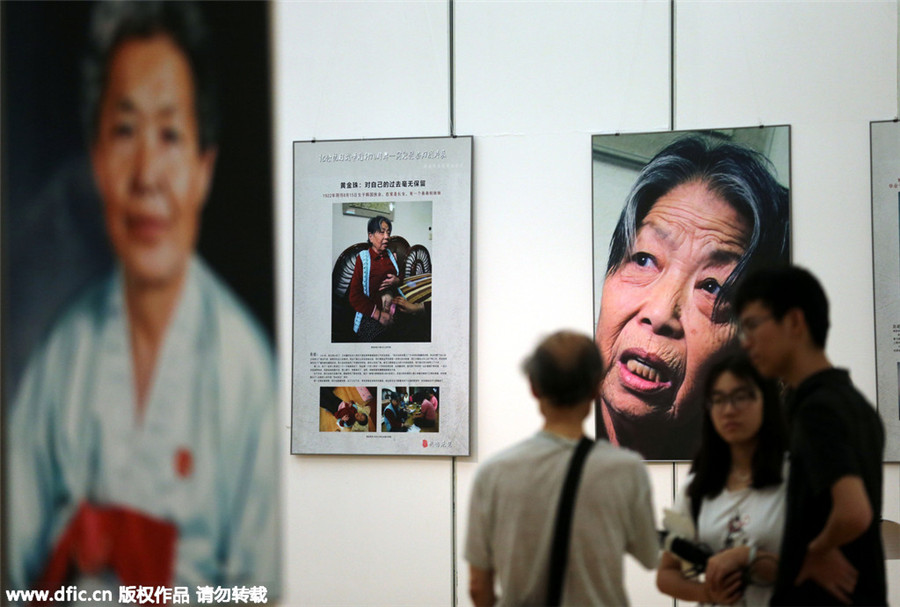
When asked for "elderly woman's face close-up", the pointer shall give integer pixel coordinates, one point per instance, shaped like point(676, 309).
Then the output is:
point(659, 329)
point(380, 237)
point(151, 174)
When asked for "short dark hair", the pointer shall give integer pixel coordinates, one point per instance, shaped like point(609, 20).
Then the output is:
point(712, 463)
point(114, 23)
point(375, 223)
point(565, 368)
point(784, 288)
point(740, 175)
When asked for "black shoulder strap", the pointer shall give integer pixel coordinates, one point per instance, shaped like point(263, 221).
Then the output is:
point(559, 554)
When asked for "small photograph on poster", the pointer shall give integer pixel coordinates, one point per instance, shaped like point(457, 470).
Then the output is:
point(381, 296)
point(410, 409)
point(885, 146)
point(347, 408)
point(381, 281)
point(679, 218)
point(394, 412)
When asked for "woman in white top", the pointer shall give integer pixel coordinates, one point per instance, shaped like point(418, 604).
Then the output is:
point(736, 491)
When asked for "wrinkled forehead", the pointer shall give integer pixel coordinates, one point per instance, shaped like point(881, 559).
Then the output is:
point(697, 206)
point(713, 232)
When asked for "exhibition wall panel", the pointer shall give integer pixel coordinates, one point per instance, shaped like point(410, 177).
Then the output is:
point(827, 69)
point(358, 530)
point(532, 82)
point(536, 67)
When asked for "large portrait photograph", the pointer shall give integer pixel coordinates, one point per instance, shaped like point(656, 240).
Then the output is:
point(678, 219)
point(139, 371)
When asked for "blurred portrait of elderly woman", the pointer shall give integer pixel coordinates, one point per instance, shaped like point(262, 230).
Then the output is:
point(142, 447)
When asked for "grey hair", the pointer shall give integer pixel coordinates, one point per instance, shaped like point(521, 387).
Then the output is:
point(741, 176)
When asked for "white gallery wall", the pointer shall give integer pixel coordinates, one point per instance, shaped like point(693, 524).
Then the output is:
point(532, 81)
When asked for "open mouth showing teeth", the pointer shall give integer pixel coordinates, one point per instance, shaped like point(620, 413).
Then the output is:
point(643, 370)
point(644, 376)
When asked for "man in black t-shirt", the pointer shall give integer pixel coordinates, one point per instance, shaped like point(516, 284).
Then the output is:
point(831, 550)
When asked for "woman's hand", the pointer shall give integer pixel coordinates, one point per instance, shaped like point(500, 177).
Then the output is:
point(407, 306)
point(724, 574)
point(725, 562)
point(390, 281)
point(728, 591)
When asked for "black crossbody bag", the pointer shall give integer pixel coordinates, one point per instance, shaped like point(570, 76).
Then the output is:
point(559, 553)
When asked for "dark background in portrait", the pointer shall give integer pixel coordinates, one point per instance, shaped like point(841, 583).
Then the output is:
point(54, 242)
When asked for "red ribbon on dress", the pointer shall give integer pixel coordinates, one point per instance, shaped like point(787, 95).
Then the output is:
point(138, 548)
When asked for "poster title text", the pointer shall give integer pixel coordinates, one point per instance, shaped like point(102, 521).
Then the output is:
point(382, 156)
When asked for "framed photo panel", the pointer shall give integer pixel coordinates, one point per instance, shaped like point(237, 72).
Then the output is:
point(381, 296)
point(678, 218)
point(885, 142)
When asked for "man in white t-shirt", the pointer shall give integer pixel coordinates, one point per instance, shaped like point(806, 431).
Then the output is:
point(516, 492)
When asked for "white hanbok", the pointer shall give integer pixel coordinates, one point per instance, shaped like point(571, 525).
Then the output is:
point(203, 457)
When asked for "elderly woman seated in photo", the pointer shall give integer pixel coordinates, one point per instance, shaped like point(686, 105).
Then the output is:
point(382, 289)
